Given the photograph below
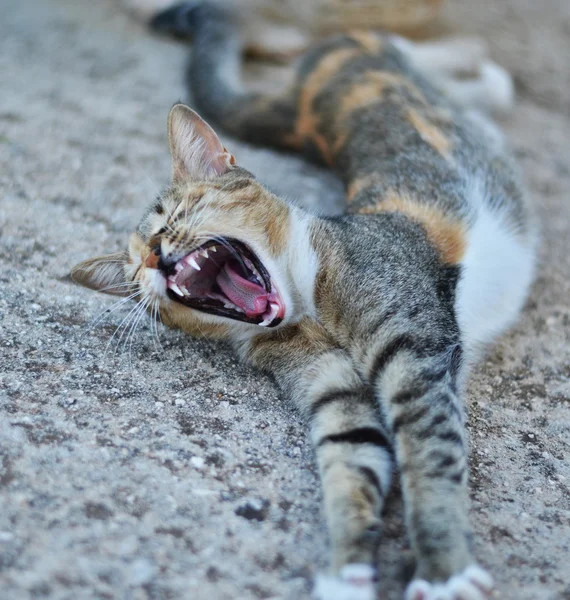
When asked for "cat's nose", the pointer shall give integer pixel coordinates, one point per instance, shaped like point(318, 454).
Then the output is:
point(157, 260)
point(166, 264)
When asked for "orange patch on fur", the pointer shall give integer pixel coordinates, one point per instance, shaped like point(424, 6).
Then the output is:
point(371, 42)
point(369, 90)
point(265, 212)
point(151, 260)
point(277, 229)
point(431, 134)
point(447, 234)
point(359, 184)
point(306, 126)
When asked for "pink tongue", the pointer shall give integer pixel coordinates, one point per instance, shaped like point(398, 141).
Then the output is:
point(249, 296)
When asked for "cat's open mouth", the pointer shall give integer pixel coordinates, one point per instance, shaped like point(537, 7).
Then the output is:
point(225, 278)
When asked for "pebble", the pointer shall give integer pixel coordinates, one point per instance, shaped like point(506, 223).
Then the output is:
point(197, 462)
point(253, 509)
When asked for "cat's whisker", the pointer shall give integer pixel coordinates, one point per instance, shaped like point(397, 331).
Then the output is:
point(134, 326)
point(131, 326)
point(104, 314)
point(117, 286)
point(155, 315)
point(122, 325)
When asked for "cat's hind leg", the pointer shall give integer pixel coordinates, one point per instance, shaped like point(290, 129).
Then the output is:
point(492, 90)
point(462, 69)
point(449, 57)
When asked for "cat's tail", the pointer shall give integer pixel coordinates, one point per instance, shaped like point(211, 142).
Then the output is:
point(214, 75)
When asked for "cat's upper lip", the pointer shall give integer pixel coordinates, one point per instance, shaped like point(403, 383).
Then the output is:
point(225, 277)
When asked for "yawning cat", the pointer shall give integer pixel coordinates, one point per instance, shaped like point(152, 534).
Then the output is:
point(371, 320)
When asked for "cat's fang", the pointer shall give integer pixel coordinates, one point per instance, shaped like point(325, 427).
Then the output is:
point(192, 262)
point(175, 288)
point(274, 309)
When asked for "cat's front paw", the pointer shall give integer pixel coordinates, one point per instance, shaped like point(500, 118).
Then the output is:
point(471, 584)
point(356, 581)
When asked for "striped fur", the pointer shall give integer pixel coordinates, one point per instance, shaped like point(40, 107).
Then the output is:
point(387, 306)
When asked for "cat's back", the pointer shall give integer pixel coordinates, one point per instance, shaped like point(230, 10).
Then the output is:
point(393, 132)
point(404, 147)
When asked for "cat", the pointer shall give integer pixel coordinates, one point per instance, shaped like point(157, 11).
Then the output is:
point(370, 321)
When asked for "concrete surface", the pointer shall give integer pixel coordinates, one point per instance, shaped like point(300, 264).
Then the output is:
point(132, 471)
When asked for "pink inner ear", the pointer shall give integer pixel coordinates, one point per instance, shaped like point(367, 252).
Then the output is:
point(197, 152)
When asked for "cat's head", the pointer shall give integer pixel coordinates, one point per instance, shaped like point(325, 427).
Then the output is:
point(212, 252)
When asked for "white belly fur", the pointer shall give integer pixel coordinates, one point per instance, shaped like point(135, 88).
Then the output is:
point(497, 271)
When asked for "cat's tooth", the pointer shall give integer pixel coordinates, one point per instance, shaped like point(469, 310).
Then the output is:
point(178, 267)
point(185, 291)
point(175, 289)
point(192, 262)
point(273, 311)
point(213, 249)
point(204, 253)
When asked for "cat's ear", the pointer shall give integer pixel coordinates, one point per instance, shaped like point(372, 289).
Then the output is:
point(103, 274)
point(196, 150)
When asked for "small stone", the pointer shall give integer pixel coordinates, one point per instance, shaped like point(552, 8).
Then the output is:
point(253, 509)
point(197, 462)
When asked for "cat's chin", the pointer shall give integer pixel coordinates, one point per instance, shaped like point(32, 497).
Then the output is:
point(224, 277)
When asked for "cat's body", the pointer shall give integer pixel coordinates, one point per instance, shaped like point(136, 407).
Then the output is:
point(371, 319)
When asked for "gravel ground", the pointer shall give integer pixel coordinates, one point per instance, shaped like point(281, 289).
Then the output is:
point(138, 469)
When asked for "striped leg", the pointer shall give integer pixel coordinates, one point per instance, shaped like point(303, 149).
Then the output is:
point(355, 463)
point(352, 450)
point(425, 417)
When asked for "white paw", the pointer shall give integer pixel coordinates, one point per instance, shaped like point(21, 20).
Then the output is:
point(499, 86)
point(354, 582)
point(472, 584)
